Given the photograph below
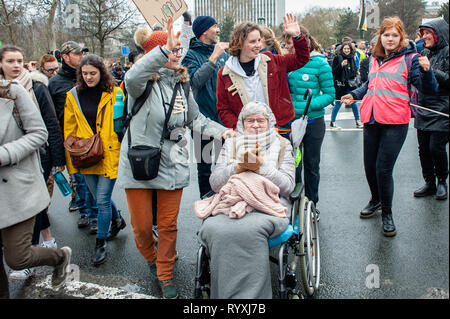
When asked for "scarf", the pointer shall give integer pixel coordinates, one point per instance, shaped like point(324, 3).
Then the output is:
point(245, 142)
point(349, 71)
point(25, 80)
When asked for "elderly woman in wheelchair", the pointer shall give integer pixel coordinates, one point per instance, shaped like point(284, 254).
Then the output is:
point(253, 179)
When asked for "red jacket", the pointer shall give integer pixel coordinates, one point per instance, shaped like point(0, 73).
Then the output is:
point(229, 103)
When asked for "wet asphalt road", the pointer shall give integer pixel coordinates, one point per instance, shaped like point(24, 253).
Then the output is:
point(413, 264)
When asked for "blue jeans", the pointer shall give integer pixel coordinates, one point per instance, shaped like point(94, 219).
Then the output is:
point(83, 197)
point(102, 188)
point(337, 106)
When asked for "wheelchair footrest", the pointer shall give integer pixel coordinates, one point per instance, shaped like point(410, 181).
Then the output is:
point(283, 237)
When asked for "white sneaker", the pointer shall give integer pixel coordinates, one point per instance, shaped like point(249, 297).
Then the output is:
point(21, 274)
point(334, 127)
point(359, 124)
point(49, 244)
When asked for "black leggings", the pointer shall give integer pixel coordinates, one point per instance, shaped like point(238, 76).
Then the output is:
point(382, 145)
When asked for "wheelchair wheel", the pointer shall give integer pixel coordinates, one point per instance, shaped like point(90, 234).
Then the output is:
point(309, 248)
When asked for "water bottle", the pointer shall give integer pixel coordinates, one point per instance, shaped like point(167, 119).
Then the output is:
point(62, 183)
point(118, 112)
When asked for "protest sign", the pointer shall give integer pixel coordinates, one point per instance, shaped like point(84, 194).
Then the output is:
point(157, 12)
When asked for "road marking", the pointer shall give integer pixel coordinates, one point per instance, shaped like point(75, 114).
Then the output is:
point(86, 290)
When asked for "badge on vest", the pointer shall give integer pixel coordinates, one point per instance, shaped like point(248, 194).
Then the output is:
point(305, 77)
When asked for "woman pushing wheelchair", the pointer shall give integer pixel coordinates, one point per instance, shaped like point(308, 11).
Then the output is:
point(253, 178)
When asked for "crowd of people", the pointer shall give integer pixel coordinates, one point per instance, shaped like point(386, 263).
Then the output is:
point(240, 96)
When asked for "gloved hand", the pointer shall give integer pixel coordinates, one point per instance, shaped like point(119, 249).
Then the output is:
point(251, 160)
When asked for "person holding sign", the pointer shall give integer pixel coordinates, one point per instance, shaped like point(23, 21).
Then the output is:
point(170, 98)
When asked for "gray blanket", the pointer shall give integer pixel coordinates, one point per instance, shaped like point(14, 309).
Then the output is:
point(240, 254)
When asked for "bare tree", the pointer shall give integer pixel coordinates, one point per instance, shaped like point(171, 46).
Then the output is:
point(101, 19)
point(11, 12)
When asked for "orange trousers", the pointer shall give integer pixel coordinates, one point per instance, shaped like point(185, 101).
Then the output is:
point(141, 216)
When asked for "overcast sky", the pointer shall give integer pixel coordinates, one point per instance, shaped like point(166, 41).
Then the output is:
point(303, 5)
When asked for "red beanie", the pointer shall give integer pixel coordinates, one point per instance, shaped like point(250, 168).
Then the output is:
point(155, 39)
point(148, 41)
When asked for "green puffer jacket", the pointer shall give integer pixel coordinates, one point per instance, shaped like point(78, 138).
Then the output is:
point(317, 76)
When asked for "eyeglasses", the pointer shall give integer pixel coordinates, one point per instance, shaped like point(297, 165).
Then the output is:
point(251, 121)
point(177, 51)
point(51, 70)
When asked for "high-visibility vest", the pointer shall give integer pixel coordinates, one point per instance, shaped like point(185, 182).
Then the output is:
point(387, 95)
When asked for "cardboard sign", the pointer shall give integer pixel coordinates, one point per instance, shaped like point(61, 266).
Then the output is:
point(158, 11)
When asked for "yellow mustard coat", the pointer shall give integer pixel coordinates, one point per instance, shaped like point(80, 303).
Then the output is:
point(75, 124)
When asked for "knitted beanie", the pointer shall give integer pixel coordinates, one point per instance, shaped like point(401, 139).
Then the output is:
point(201, 24)
point(148, 41)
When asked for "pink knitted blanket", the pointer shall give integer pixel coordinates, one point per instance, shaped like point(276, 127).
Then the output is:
point(243, 193)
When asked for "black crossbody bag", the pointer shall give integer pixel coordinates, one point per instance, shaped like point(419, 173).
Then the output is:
point(144, 160)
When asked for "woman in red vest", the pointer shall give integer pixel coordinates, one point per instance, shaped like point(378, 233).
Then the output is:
point(386, 113)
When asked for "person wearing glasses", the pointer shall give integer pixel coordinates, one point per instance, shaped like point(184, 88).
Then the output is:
point(161, 64)
point(203, 60)
point(48, 66)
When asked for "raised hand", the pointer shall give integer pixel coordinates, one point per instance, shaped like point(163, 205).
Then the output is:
point(290, 25)
point(173, 41)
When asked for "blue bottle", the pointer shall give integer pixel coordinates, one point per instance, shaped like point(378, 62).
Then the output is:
point(62, 183)
point(118, 112)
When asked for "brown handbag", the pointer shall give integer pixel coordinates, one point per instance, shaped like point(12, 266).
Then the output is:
point(85, 152)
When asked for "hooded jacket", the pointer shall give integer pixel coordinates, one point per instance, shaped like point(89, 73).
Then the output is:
point(203, 76)
point(272, 70)
point(58, 86)
point(75, 124)
point(439, 60)
point(147, 125)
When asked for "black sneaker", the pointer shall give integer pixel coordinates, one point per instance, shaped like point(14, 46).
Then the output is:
point(72, 205)
point(389, 229)
point(83, 222)
point(116, 225)
point(428, 189)
point(94, 227)
point(100, 252)
point(59, 275)
point(370, 209)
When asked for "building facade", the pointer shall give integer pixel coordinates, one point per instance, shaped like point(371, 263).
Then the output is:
point(268, 12)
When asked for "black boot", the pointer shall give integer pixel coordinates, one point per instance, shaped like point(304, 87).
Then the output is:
point(100, 252)
point(388, 223)
point(427, 190)
point(370, 209)
point(117, 224)
point(441, 192)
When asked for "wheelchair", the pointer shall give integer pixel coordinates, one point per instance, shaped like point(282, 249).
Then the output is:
point(298, 257)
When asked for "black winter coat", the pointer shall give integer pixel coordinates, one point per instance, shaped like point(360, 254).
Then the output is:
point(54, 151)
point(58, 86)
point(341, 75)
point(438, 56)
